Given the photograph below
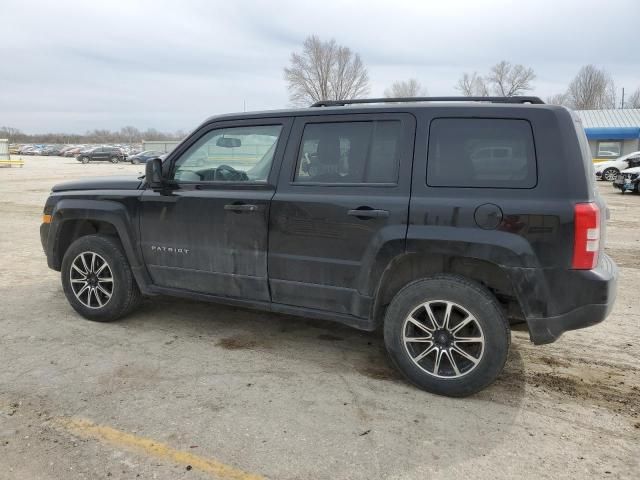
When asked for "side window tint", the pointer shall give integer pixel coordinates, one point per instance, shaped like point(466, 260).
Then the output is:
point(349, 152)
point(481, 152)
point(237, 154)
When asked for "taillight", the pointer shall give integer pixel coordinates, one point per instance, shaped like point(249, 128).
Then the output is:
point(586, 241)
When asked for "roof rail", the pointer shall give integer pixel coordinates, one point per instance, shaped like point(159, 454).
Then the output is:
point(341, 103)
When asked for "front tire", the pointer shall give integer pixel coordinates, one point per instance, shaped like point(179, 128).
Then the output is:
point(610, 174)
point(114, 159)
point(447, 335)
point(84, 160)
point(97, 279)
point(135, 161)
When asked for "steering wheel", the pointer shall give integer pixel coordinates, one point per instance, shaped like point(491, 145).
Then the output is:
point(225, 172)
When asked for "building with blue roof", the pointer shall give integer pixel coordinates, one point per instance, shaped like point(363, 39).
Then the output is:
point(611, 133)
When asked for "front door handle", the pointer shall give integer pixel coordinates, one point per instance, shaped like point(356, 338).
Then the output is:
point(241, 207)
point(368, 213)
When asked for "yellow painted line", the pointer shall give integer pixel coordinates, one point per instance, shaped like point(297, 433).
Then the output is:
point(118, 438)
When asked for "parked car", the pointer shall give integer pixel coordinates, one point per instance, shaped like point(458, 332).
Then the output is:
point(51, 151)
point(65, 149)
point(74, 151)
point(143, 157)
point(609, 170)
point(628, 180)
point(383, 216)
point(111, 154)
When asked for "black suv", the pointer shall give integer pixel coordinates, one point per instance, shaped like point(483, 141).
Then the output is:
point(110, 154)
point(439, 220)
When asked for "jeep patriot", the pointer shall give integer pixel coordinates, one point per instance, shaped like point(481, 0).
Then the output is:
point(439, 220)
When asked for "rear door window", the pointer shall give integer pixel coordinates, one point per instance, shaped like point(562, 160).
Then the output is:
point(481, 152)
point(362, 152)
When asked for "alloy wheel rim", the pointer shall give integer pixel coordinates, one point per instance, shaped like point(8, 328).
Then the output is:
point(91, 280)
point(443, 339)
point(610, 175)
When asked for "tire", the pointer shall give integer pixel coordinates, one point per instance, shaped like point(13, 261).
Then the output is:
point(114, 159)
point(85, 160)
point(610, 174)
point(135, 161)
point(96, 305)
point(486, 331)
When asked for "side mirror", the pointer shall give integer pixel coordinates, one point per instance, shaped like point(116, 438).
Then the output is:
point(153, 173)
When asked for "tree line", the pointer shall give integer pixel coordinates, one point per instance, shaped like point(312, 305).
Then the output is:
point(324, 70)
point(128, 134)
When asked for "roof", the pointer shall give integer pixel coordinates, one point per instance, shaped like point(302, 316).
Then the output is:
point(375, 108)
point(610, 118)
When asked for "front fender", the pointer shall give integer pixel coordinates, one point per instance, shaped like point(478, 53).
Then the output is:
point(107, 211)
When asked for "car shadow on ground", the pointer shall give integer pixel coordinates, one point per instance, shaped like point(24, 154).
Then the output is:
point(235, 328)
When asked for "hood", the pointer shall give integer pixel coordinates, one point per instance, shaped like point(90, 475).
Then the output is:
point(100, 183)
point(632, 170)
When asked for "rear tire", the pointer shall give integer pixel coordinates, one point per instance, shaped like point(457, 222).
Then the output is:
point(84, 160)
point(114, 159)
point(455, 358)
point(88, 264)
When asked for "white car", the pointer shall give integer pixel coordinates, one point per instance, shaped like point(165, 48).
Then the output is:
point(628, 180)
point(609, 170)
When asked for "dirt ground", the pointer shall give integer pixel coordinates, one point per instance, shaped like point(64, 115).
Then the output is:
point(182, 389)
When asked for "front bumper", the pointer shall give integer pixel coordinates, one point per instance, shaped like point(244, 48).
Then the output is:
point(603, 280)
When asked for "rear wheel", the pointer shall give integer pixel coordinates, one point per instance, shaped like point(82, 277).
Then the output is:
point(97, 279)
point(114, 159)
point(84, 160)
point(447, 335)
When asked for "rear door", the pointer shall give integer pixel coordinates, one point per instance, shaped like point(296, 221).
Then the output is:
point(343, 192)
point(99, 154)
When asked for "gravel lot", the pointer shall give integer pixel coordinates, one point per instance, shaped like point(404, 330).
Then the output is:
point(182, 389)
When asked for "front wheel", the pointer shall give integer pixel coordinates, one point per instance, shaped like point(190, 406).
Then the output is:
point(97, 279)
point(114, 159)
point(447, 335)
point(610, 174)
point(84, 160)
point(135, 161)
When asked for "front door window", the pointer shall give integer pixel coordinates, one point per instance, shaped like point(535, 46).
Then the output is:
point(238, 154)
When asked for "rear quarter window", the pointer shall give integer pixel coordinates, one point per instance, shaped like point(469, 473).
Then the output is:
point(481, 153)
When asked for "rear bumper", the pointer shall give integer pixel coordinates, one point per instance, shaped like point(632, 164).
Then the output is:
point(603, 280)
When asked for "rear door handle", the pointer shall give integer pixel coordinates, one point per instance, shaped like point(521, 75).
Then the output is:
point(241, 207)
point(368, 213)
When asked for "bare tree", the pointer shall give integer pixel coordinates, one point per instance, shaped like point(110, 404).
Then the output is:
point(634, 100)
point(405, 88)
point(508, 80)
point(592, 89)
point(325, 71)
point(558, 99)
point(472, 85)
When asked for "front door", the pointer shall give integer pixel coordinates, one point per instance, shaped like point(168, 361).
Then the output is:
point(342, 198)
point(207, 232)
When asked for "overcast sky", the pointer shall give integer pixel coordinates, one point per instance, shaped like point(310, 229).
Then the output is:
point(71, 66)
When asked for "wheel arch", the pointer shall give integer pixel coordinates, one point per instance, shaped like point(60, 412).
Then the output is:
point(409, 267)
point(75, 218)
